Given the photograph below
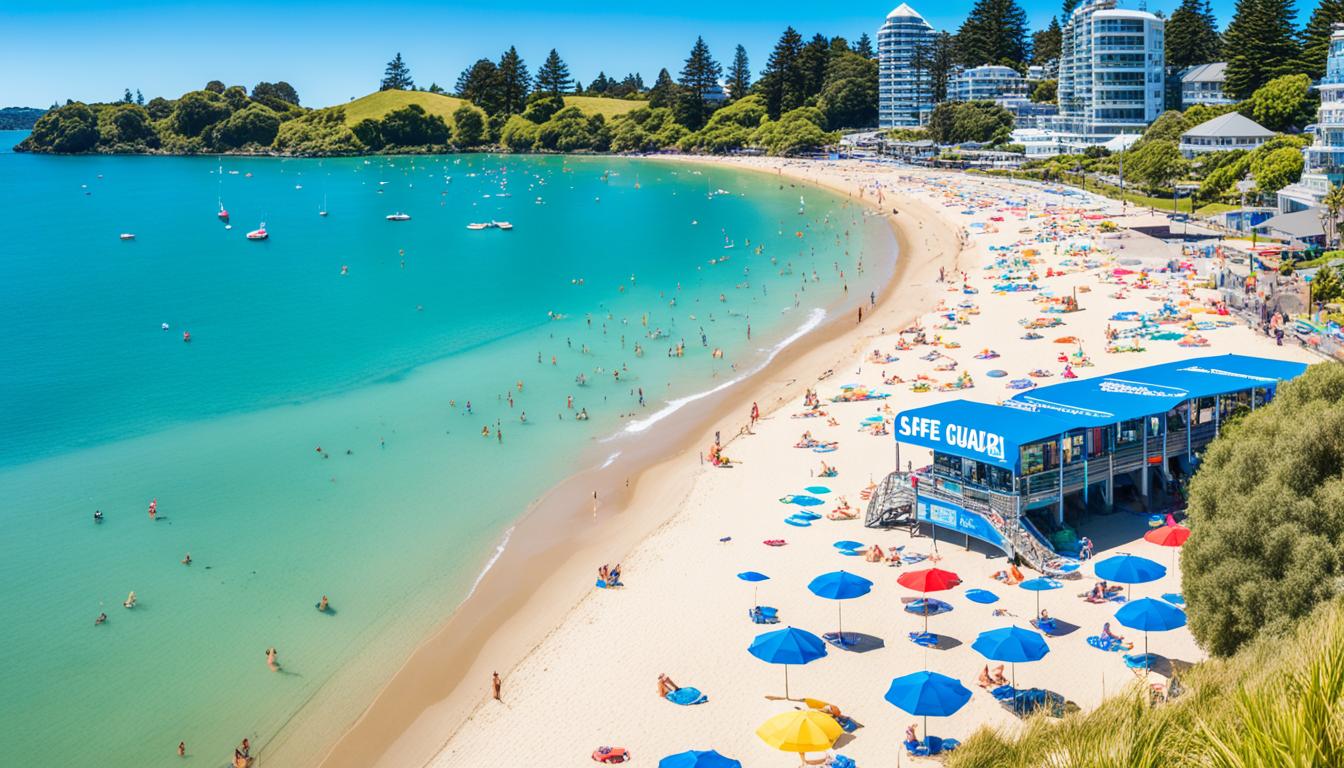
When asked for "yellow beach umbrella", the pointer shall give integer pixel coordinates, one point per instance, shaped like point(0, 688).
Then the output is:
point(800, 731)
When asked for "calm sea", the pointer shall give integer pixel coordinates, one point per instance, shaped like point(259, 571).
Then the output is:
point(365, 338)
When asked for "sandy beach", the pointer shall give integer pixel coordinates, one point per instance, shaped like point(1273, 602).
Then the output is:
point(579, 665)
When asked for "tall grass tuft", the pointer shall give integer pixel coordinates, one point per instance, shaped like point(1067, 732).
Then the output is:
point(1276, 703)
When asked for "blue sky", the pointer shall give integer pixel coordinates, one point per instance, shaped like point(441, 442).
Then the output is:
point(333, 50)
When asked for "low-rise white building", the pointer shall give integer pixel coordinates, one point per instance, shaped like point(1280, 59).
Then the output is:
point(1223, 134)
point(1203, 84)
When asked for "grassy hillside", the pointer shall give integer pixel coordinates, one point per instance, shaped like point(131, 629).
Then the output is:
point(379, 103)
point(1276, 702)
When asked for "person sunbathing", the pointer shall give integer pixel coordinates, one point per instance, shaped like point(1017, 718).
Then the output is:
point(666, 686)
point(984, 680)
point(1098, 593)
point(911, 735)
point(875, 554)
point(614, 576)
point(1044, 617)
point(997, 676)
point(1107, 634)
point(604, 574)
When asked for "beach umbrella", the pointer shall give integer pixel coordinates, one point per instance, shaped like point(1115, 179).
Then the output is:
point(1038, 585)
point(848, 544)
point(926, 581)
point(698, 758)
point(755, 579)
point(1150, 615)
point(801, 731)
point(1011, 644)
point(1169, 536)
point(1129, 569)
point(837, 586)
point(804, 500)
point(927, 694)
point(787, 646)
point(817, 489)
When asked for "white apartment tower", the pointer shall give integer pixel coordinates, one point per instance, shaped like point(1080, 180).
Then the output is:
point(904, 84)
point(1325, 157)
point(1111, 73)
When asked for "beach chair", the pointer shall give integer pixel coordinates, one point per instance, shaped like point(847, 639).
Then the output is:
point(763, 614)
point(611, 755)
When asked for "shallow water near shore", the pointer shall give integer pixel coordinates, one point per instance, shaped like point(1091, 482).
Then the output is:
point(405, 504)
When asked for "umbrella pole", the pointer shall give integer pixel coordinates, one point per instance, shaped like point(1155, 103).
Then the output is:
point(840, 620)
point(786, 682)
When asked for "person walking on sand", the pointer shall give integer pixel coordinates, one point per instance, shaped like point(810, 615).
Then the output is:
point(271, 662)
point(495, 685)
point(755, 413)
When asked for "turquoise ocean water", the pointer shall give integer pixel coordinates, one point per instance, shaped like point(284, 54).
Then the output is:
point(399, 513)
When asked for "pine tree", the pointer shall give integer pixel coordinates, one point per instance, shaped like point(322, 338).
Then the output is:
point(864, 46)
point(127, 98)
point(397, 76)
point(664, 90)
point(995, 31)
point(1316, 37)
point(1192, 36)
point(942, 59)
point(739, 75)
point(514, 82)
point(553, 77)
point(1259, 45)
point(781, 82)
point(1045, 44)
point(481, 85)
point(1068, 7)
point(812, 63)
point(139, 98)
point(699, 76)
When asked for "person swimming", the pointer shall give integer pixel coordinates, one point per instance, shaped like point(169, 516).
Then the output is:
point(187, 560)
point(97, 516)
point(323, 604)
point(130, 600)
point(102, 617)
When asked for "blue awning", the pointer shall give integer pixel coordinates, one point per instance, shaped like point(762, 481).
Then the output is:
point(995, 433)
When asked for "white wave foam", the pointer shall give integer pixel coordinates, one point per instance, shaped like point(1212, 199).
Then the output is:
point(610, 460)
point(814, 319)
point(499, 550)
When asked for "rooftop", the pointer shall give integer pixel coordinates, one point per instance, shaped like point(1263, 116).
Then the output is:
point(1230, 125)
point(1299, 224)
point(904, 10)
point(1206, 73)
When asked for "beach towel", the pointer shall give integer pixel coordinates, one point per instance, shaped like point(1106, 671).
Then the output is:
point(1047, 626)
point(1004, 692)
point(798, 523)
point(1139, 660)
point(763, 614)
point(840, 761)
point(687, 697)
point(1106, 643)
point(774, 542)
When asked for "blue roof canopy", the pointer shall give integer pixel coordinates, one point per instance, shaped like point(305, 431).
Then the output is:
point(994, 433)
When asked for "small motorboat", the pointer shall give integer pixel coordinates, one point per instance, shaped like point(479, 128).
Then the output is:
point(502, 224)
point(399, 216)
point(223, 213)
point(259, 233)
point(478, 225)
point(127, 236)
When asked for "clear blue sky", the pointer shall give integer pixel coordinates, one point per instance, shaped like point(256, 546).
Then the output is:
point(333, 50)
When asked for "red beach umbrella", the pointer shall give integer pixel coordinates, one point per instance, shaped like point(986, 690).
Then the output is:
point(929, 580)
point(1168, 535)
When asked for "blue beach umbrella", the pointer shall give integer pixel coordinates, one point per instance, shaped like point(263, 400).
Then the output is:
point(1038, 585)
point(804, 500)
point(787, 646)
point(1150, 615)
point(697, 758)
point(1129, 569)
point(817, 489)
point(981, 596)
point(755, 578)
point(847, 544)
point(840, 585)
point(1011, 644)
point(927, 694)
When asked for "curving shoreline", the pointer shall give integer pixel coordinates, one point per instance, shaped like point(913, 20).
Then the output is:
point(411, 719)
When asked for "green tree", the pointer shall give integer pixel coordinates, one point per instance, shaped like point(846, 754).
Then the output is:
point(1167, 127)
point(469, 124)
point(518, 134)
point(236, 97)
point(1192, 36)
point(570, 130)
point(139, 98)
point(812, 64)
point(1267, 508)
point(1326, 285)
point(197, 111)
point(214, 86)
point(159, 108)
point(1333, 205)
point(1316, 37)
point(939, 59)
point(281, 91)
point(664, 90)
point(1155, 164)
point(1045, 44)
point(798, 130)
point(1046, 92)
point(1068, 7)
point(954, 122)
point(553, 77)
point(849, 95)
point(69, 129)
point(482, 85)
point(994, 31)
point(411, 126)
point(1283, 103)
point(1276, 169)
point(730, 128)
point(397, 76)
point(127, 98)
point(781, 83)
point(864, 47)
point(699, 75)
point(254, 124)
point(1259, 45)
point(541, 105)
point(126, 127)
point(739, 75)
point(515, 82)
